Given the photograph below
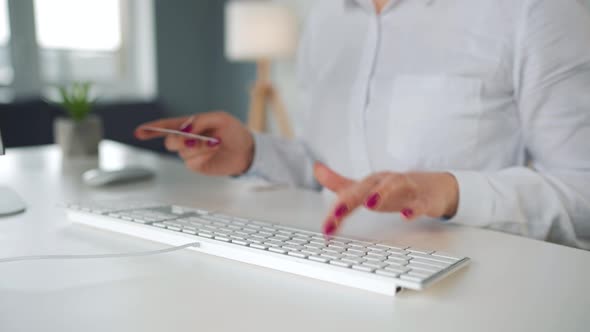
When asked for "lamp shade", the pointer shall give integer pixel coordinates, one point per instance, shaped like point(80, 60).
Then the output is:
point(259, 30)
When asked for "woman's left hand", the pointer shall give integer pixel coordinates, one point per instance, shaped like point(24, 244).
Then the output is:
point(413, 195)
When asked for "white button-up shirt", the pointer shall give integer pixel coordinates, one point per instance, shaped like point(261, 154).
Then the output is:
point(497, 92)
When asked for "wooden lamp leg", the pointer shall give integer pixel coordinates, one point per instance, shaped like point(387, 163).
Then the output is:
point(259, 97)
point(280, 113)
point(263, 93)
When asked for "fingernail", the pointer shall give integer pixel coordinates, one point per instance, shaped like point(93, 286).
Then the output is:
point(408, 213)
point(214, 143)
point(190, 142)
point(329, 228)
point(187, 129)
point(371, 203)
point(341, 211)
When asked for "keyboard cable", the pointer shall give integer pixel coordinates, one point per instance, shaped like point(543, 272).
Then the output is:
point(98, 256)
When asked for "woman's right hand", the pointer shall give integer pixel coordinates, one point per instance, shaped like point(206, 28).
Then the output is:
point(231, 155)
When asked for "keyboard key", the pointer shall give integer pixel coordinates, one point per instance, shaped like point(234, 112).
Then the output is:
point(419, 274)
point(396, 269)
point(363, 268)
point(258, 246)
point(274, 243)
point(375, 265)
point(333, 250)
point(318, 259)
point(357, 246)
point(292, 247)
point(205, 234)
point(311, 251)
point(390, 274)
point(189, 231)
point(411, 278)
point(296, 242)
point(443, 254)
point(297, 254)
point(430, 262)
point(356, 252)
point(340, 263)
point(353, 260)
point(240, 242)
point(277, 250)
point(396, 262)
point(221, 238)
point(397, 252)
point(314, 245)
point(374, 258)
point(389, 247)
point(256, 240)
point(422, 267)
point(331, 255)
point(174, 228)
point(420, 251)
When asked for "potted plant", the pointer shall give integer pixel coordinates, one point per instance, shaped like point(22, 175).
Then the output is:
point(80, 132)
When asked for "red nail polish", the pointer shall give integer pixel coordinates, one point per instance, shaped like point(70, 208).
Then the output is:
point(372, 201)
point(213, 144)
point(341, 211)
point(408, 213)
point(190, 142)
point(329, 228)
point(187, 129)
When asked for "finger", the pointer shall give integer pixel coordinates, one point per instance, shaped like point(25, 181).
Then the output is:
point(174, 143)
point(192, 152)
point(330, 179)
point(349, 199)
point(199, 163)
point(170, 123)
point(210, 122)
point(397, 193)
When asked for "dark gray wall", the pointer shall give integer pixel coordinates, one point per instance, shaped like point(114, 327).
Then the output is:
point(193, 74)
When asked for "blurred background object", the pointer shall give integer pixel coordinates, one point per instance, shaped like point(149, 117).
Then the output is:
point(261, 32)
point(147, 59)
point(80, 132)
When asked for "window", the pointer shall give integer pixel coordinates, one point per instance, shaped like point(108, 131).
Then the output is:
point(89, 25)
point(6, 72)
point(107, 42)
point(79, 40)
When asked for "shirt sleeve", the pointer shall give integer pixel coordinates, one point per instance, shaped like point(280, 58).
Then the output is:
point(288, 161)
point(283, 161)
point(549, 200)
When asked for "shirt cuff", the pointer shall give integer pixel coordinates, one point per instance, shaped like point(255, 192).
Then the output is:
point(476, 199)
point(262, 147)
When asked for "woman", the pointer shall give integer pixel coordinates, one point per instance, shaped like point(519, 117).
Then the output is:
point(475, 112)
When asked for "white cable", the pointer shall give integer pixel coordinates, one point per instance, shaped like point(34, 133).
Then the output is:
point(93, 256)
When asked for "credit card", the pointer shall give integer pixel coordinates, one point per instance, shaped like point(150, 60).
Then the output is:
point(182, 133)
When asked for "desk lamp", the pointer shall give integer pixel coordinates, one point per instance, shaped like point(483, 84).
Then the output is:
point(261, 31)
point(10, 202)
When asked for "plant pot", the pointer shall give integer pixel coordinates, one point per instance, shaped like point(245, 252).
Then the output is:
point(78, 138)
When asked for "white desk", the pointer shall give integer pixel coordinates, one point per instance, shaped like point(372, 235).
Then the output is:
point(513, 284)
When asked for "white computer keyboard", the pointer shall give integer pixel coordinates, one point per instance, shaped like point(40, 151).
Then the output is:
point(375, 267)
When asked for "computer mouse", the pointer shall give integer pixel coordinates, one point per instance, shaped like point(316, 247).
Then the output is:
point(99, 177)
point(10, 202)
